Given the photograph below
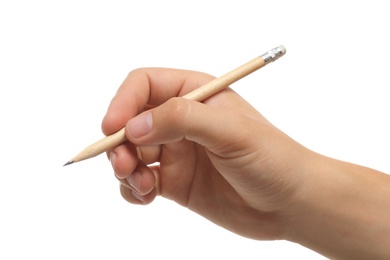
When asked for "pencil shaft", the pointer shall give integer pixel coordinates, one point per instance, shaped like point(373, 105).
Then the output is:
point(105, 144)
point(224, 81)
point(199, 94)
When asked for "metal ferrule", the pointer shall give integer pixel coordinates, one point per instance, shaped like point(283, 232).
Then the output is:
point(273, 55)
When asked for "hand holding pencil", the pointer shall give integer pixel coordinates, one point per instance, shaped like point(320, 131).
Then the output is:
point(199, 154)
point(223, 160)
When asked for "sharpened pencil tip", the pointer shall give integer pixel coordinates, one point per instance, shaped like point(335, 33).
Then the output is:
point(70, 162)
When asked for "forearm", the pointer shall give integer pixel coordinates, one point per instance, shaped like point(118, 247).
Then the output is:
point(345, 212)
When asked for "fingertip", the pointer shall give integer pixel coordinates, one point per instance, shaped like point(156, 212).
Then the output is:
point(110, 119)
point(127, 194)
point(134, 197)
point(120, 110)
point(111, 123)
point(140, 125)
point(123, 159)
point(142, 182)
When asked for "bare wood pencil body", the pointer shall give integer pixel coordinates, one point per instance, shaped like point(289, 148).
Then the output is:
point(100, 146)
point(198, 94)
point(224, 81)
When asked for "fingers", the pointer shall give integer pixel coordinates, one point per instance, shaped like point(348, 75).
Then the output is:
point(141, 90)
point(149, 154)
point(131, 172)
point(220, 130)
point(133, 196)
point(144, 88)
point(123, 159)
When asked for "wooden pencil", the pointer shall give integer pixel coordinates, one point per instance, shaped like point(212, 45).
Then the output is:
point(198, 94)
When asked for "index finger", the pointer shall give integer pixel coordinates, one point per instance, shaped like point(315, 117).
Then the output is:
point(148, 87)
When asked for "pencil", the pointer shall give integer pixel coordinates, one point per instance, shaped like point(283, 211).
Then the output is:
point(199, 94)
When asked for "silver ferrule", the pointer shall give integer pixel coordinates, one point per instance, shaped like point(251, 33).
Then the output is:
point(273, 55)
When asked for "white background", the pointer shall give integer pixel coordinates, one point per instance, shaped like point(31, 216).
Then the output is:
point(62, 61)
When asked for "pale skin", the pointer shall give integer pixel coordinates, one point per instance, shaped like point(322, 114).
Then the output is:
point(222, 159)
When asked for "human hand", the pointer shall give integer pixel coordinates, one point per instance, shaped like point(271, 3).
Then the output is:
point(220, 158)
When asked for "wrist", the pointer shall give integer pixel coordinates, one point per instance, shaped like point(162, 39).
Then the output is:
point(342, 211)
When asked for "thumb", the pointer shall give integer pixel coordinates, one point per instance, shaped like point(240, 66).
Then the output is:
point(178, 118)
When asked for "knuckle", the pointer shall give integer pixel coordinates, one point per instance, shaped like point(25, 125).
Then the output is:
point(179, 109)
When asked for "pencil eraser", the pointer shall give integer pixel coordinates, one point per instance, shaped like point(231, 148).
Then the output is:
point(282, 49)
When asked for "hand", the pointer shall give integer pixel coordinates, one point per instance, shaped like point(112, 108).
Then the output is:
point(220, 158)
point(225, 161)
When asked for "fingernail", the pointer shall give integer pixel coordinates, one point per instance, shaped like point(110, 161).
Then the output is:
point(140, 125)
point(134, 180)
point(113, 158)
point(137, 196)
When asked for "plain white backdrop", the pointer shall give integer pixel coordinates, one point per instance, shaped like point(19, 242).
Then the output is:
point(61, 62)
